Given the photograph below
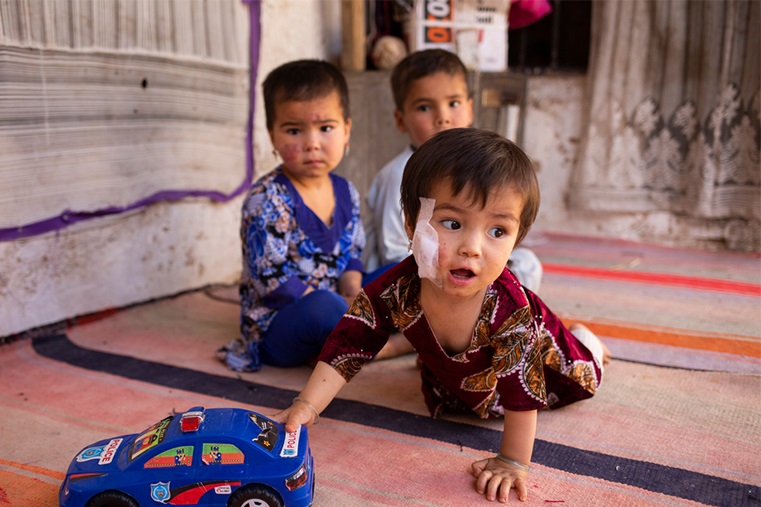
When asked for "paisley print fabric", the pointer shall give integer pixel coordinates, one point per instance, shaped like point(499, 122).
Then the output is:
point(361, 309)
point(404, 298)
point(349, 366)
point(521, 356)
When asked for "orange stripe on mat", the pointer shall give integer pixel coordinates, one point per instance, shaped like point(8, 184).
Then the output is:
point(34, 469)
point(693, 282)
point(725, 343)
point(19, 491)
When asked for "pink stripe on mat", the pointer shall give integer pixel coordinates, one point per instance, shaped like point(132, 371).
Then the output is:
point(716, 285)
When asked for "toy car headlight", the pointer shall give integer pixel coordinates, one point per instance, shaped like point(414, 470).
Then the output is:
point(298, 479)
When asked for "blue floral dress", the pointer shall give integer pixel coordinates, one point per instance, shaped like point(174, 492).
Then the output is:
point(287, 248)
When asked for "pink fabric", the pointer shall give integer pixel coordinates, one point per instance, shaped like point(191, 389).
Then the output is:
point(526, 12)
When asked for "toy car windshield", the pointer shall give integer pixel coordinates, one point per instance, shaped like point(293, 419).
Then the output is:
point(149, 438)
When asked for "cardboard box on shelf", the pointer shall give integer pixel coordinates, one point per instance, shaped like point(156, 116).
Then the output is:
point(476, 30)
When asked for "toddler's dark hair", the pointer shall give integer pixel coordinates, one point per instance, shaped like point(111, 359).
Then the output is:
point(477, 161)
point(420, 64)
point(303, 80)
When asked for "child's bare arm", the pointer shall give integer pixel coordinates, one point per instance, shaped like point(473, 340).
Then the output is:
point(349, 284)
point(496, 476)
point(323, 385)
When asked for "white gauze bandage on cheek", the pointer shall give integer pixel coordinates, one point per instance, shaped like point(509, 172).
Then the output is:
point(425, 243)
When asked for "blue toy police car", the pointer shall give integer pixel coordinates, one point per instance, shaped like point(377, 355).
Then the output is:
point(212, 457)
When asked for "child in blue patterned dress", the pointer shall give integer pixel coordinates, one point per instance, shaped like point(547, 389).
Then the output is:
point(301, 231)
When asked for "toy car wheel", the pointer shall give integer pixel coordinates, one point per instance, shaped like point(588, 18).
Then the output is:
point(112, 499)
point(255, 496)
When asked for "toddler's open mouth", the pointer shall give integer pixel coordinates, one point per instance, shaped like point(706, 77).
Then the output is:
point(462, 273)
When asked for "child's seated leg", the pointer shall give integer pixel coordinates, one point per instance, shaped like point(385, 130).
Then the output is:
point(527, 268)
point(592, 342)
point(298, 331)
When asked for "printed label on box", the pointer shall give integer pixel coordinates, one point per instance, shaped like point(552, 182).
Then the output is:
point(476, 30)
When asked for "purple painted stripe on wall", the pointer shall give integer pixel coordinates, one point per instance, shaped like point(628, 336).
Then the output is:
point(69, 217)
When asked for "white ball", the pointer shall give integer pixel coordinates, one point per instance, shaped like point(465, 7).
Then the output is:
point(388, 51)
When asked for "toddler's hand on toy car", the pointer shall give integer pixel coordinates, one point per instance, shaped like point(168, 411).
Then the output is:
point(300, 412)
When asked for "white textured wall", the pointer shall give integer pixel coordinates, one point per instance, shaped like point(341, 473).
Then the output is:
point(551, 138)
point(165, 248)
point(553, 128)
point(552, 133)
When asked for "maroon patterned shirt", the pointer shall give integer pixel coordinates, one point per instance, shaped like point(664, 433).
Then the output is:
point(521, 356)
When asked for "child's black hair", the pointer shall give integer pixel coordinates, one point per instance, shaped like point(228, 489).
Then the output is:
point(477, 161)
point(420, 64)
point(302, 80)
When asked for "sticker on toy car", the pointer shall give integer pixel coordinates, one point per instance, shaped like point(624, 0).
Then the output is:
point(268, 435)
point(223, 490)
point(104, 453)
point(110, 451)
point(149, 438)
point(176, 457)
point(291, 444)
point(222, 454)
point(160, 492)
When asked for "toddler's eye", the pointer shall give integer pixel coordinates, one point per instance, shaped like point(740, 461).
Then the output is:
point(455, 103)
point(497, 232)
point(292, 132)
point(450, 224)
point(327, 128)
point(424, 108)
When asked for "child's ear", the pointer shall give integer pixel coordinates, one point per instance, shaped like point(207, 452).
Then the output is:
point(399, 117)
point(348, 129)
point(408, 227)
point(275, 153)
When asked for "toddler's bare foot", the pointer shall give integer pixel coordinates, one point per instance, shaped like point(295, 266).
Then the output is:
point(591, 341)
point(606, 355)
